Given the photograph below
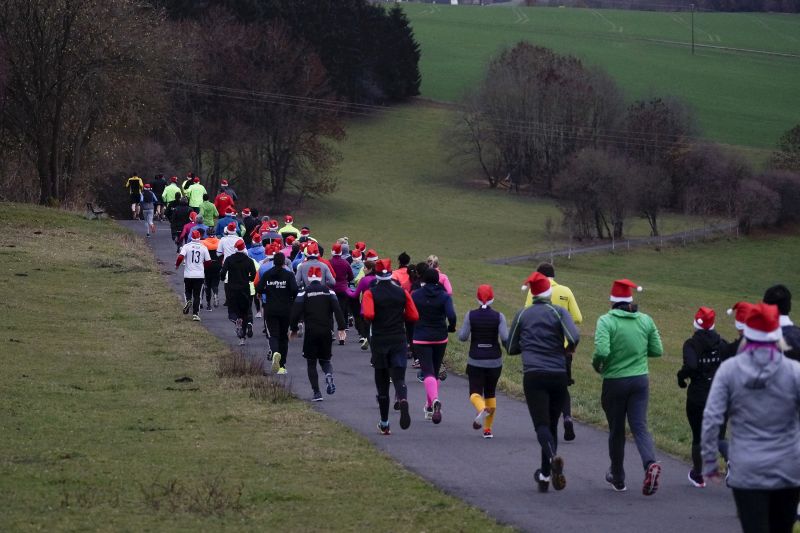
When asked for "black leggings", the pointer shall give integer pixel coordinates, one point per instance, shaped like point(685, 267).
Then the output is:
point(544, 394)
point(398, 377)
point(212, 284)
point(483, 381)
point(694, 413)
point(192, 288)
point(767, 511)
point(313, 378)
point(430, 358)
point(278, 334)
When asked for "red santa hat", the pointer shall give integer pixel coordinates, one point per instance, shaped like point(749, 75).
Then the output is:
point(539, 285)
point(314, 273)
point(305, 231)
point(356, 254)
point(288, 219)
point(485, 295)
point(289, 240)
point(269, 251)
point(336, 249)
point(312, 250)
point(246, 211)
point(174, 179)
point(192, 215)
point(147, 186)
point(740, 310)
point(273, 225)
point(622, 290)
point(256, 239)
point(239, 245)
point(763, 323)
point(383, 269)
point(223, 183)
point(196, 179)
point(361, 245)
point(229, 211)
point(195, 235)
point(371, 255)
point(704, 318)
point(230, 229)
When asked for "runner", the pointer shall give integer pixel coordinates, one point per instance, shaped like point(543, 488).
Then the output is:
point(312, 261)
point(279, 289)
point(387, 308)
point(256, 250)
point(212, 270)
point(134, 186)
point(187, 182)
point(702, 355)
point(239, 272)
point(179, 216)
point(224, 201)
point(250, 222)
point(159, 184)
point(171, 191)
point(209, 212)
point(343, 275)
point(485, 360)
point(436, 317)
point(624, 339)
point(316, 305)
point(195, 257)
point(544, 334)
point(222, 223)
point(759, 390)
point(433, 262)
point(148, 204)
point(739, 311)
point(780, 296)
point(400, 274)
point(288, 228)
point(562, 296)
point(195, 192)
point(367, 277)
point(227, 247)
point(225, 187)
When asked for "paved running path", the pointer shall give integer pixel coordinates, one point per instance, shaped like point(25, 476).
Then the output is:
point(495, 475)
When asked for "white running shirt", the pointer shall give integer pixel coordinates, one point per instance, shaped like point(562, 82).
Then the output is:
point(227, 245)
point(194, 254)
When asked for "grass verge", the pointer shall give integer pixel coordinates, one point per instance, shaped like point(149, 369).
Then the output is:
point(102, 430)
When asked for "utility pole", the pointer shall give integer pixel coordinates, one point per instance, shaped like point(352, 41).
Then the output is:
point(692, 29)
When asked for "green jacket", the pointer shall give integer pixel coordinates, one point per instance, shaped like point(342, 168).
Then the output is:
point(195, 194)
point(209, 212)
point(169, 193)
point(622, 343)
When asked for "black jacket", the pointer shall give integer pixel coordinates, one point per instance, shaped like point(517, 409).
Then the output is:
point(316, 305)
point(280, 289)
point(179, 217)
point(703, 352)
point(240, 270)
point(791, 334)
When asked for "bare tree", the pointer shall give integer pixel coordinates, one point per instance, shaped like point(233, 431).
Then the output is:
point(651, 188)
point(71, 75)
point(787, 157)
point(756, 205)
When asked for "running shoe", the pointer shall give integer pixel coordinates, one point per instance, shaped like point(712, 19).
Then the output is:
point(428, 413)
point(405, 417)
point(208, 307)
point(301, 329)
point(557, 474)
point(396, 404)
point(569, 430)
point(241, 341)
point(384, 430)
point(696, 479)
point(364, 344)
point(239, 331)
point(216, 300)
point(317, 396)
point(249, 330)
point(351, 323)
point(276, 362)
point(478, 422)
point(487, 434)
point(415, 364)
point(618, 486)
point(442, 374)
point(437, 411)
point(258, 315)
point(541, 480)
point(650, 485)
point(196, 318)
point(330, 386)
point(282, 372)
point(420, 376)
point(187, 306)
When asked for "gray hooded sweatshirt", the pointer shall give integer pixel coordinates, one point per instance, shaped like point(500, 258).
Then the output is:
point(759, 389)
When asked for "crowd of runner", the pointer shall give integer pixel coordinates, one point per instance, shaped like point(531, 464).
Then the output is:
point(277, 273)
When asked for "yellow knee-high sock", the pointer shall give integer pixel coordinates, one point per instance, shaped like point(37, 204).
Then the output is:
point(477, 402)
point(491, 406)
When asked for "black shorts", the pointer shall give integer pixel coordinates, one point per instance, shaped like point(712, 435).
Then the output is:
point(136, 197)
point(317, 345)
point(390, 354)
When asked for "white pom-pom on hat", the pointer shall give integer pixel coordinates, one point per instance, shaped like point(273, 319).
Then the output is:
point(729, 312)
point(639, 288)
point(523, 288)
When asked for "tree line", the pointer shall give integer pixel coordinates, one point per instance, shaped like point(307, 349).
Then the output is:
point(548, 125)
point(253, 91)
point(778, 6)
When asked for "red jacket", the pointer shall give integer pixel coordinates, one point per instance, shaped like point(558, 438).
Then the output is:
point(222, 202)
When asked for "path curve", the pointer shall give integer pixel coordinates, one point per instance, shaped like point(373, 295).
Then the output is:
point(494, 475)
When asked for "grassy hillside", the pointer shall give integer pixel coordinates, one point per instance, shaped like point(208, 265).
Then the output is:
point(741, 98)
point(398, 192)
point(98, 435)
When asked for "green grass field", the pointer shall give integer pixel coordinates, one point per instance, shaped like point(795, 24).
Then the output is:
point(741, 98)
point(98, 436)
point(398, 192)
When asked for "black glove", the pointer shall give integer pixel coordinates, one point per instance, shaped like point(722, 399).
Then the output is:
point(451, 328)
point(597, 364)
point(681, 381)
point(570, 382)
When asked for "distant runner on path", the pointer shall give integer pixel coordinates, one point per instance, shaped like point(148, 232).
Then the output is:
point(316, 305)
point(279, 289)
point(624, 339)
point(487, 331)
point(135, 187)
point(387, 308)
point(148, 204)
point(543, 334)
point(212, 269)
point(195, 257)
point(239, 272)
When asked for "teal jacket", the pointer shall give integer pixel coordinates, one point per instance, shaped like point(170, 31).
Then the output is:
point(622, 343)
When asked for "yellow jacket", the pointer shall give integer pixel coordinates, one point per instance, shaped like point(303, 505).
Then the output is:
point(563, 297)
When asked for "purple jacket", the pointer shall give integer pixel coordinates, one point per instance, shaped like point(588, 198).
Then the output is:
point(343, 273)
point(362, 287)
